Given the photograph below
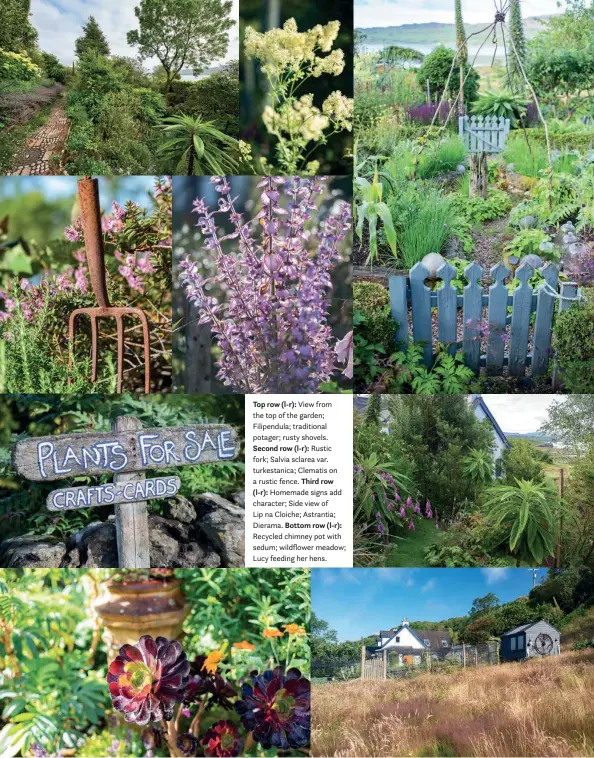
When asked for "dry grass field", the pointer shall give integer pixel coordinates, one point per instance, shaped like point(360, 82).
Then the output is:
point(542, 707)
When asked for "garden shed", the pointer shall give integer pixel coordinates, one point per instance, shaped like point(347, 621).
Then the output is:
point(535, 640)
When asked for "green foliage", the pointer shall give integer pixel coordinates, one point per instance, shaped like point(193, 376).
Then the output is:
point(505, 103)
point(561, 73)
point(119, 742)
point(573, 342)
point(409, 160)
point(582, 140)
point(370, 208)
point(198, 147)
point(448, 375)
point(367, 355)
point(372, 301)
point(16, 31)
point(17, 67)
point(478, 210)
point(528, 510)
point(461, 44)
point(516, 68)
point(521, 462)
point(478, 466)
point(182, 33)
point(53, 69)
point(528, 156)
point(528, 241)
point(436, 68)
point(92, 41)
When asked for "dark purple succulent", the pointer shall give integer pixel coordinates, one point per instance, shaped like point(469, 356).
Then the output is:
point(222, 739)
point(275, 707)
point(151, 738)
point(203, 683)
point(146, 680)
point(187, 744)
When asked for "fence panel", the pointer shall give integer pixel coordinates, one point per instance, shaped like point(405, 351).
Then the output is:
point(484, 135)
point(523, 302)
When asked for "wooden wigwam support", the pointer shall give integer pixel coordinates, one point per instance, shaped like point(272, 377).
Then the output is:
point(126, 453)
point(88, 191)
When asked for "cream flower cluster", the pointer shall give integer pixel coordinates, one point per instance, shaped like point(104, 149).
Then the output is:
point(296, 117)
point(289, 49)
point(339, 109)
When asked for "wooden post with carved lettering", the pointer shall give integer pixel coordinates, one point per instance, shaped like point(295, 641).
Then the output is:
point(132, 529)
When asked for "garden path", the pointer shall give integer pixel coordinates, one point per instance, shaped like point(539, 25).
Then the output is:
point(489, 243)
point(42, 152)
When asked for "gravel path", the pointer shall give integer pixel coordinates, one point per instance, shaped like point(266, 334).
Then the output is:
point(37, 158)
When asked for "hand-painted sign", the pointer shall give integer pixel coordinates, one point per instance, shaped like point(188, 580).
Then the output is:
point(58, 457)
point(71, 498)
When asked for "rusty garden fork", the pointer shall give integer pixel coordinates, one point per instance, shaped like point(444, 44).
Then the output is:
point(88, 191)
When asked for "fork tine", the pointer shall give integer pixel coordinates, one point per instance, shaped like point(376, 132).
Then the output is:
point(93, 347)
point(71, 321)
point(147, 351)
point(120, 326)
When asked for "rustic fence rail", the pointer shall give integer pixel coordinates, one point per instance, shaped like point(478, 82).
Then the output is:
point(497, 300)
point(484, 134)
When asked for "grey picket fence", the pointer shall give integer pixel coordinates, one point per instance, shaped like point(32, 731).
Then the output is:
point(502, 349)
point(484, 134)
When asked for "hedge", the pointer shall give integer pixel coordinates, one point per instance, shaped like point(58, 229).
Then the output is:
point(570, 141)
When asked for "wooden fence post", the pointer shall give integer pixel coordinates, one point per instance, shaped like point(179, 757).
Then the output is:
point(362, 661)
point(561, 493)
point(385, 664)
point(464, 654)
point(131, 518)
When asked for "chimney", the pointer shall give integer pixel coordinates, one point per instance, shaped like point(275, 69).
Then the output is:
point(404, 621)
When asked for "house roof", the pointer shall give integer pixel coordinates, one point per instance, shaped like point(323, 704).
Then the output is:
point(434, 636)
point(525, 627)
point(478, 401)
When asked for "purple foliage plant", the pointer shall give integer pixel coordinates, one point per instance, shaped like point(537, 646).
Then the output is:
point(271, 325)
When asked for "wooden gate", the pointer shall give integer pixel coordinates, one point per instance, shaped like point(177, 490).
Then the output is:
point(485, 318)
point(484, 134)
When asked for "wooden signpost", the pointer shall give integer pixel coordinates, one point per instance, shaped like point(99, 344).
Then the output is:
point(126, 452)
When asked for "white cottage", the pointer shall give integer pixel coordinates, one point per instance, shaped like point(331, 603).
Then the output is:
point(482, 413)
point(411, 643)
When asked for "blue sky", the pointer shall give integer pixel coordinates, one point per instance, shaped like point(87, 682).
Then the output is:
point(128, 188)
point(59, 23)
point(396, 12)
point(358, 602)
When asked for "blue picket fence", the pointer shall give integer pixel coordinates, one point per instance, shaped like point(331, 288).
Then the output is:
point(488, 135)
point(491, 340)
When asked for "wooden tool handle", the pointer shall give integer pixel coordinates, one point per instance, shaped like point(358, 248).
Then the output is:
point(90, 211)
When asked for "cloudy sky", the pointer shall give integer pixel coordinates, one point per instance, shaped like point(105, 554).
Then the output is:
point(358, 602)
point(520, 414)
point(398, 12)
point(59, 23)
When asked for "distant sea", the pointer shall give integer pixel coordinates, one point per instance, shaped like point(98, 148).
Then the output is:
point(484, 58)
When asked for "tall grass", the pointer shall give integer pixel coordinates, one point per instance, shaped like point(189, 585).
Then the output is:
point(434, 161)
point(541, 707)
point(423, 217)
point(527, 161)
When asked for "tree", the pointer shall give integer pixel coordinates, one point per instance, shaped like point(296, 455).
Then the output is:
point(571, 422)
point(519, 462)
point(198, 147)
point(53, 68)
point(526, 512)
point(481, 605)
point(436, 68)
point(518, 47)
point(17, 34)
point(92, 41)
point(462, 47)
point(182, 33)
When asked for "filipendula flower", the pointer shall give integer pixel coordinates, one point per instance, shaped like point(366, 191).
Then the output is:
point(275, 707)
point(222, 739)
point(146, 680)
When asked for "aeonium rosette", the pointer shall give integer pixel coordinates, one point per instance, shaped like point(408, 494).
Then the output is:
point(153, 683)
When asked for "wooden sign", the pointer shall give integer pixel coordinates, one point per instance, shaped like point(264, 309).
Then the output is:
point(126, 452)
point(48, 458)
point(72, 498)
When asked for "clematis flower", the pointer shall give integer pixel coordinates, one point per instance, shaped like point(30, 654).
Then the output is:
point(275, 707)
point(222, 739)
point(270, 632)
point(187, 744)
point(244, 645)
point(147, 680)
point(212, 661)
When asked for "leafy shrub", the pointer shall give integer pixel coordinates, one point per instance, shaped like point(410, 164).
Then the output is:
point(573, 341)
point(151, 106)
point(439, 157)
point(498, 104)
point(528, 241)
point(582, 141)
point(53, 68)
point(448, 375)
point(520, 462)
point(373, 302)
point(478, 210)
point(17, 67)
point(436, 68)
point(368, 357)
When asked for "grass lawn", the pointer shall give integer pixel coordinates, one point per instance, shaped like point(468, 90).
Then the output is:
point(410, 551)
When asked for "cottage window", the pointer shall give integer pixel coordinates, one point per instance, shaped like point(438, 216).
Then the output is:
point(444, 643)
point(520, 643)
point(512, 643)
point(397, 639)
point(427, 643)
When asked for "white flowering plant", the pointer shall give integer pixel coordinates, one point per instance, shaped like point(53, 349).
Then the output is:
point(290, 58)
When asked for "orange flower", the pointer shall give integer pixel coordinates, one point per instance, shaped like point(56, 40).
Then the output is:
point(272, 632)
point(212, 661)
point(244, 645)
point(294, 629)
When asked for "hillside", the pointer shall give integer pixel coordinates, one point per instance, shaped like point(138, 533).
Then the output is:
point(508, 710)
point(579, 628)
point(434, 33)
